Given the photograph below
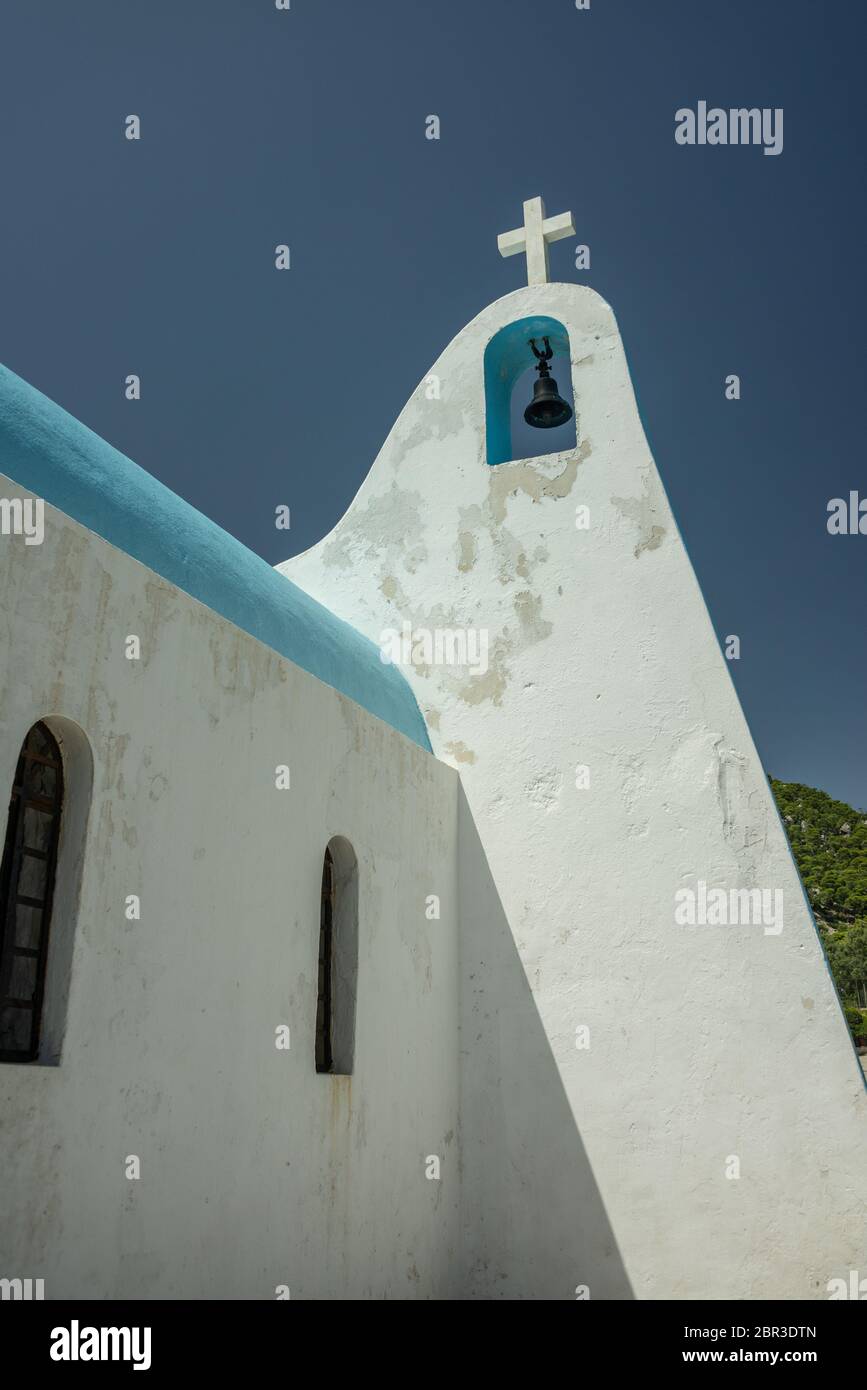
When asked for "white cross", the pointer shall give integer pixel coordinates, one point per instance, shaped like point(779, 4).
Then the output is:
point(532, 239)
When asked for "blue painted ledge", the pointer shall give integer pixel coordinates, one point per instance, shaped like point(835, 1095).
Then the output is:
point(53, 455)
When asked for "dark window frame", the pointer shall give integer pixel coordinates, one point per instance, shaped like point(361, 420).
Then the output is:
point(324, 1053)
point(15, 851)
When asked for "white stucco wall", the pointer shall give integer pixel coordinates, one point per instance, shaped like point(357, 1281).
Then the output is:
point(606, 1166)
point(561, 1167)
point(255, 1171)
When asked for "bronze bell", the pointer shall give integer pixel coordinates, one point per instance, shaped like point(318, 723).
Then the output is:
point(547, 409)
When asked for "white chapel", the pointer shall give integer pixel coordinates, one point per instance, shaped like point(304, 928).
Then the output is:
point(342, 943)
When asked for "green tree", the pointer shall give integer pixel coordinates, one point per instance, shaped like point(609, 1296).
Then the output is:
point(829, 842)
point(847, 952)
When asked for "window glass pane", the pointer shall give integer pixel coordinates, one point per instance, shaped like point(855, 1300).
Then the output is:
point(22, 977)
point(37, 742)
point(31, 880)
point(14, 1029)
point(28, 925)
point(41, 781)
point(37, 828)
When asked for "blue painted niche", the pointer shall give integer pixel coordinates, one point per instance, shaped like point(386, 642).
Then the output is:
point(508, 357)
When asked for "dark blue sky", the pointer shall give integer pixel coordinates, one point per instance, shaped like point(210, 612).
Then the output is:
point(307, 127)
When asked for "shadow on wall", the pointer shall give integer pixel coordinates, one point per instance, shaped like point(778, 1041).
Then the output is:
point(534, 1221)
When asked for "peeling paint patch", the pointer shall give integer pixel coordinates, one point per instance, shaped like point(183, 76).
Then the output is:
point(651, 542)
point(641, 512)
point(443, 420)
point(490, 686)
point(534, 628)
point(460, 752)
point(158, 787)
point(415, 557)
point(467, 551)
point(389, 524)
point(510, 553)
point(507, 479)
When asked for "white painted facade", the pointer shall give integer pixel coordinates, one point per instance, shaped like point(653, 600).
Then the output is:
point(605, 1166)
point(255, 1171)
point(562, 1167)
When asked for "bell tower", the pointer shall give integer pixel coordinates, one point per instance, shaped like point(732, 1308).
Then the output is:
point(613, 1059)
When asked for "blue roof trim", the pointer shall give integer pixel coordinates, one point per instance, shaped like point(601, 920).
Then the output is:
point(53, 455)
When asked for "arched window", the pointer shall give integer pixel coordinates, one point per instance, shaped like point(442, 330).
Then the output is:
point(26, 892)
point(324, 1056)
point(510, 373)
point(337, 972)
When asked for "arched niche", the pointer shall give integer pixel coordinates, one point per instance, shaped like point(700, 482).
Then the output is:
point(40, 884)
point(508, 358)
point(77, 758)
point(337, 960)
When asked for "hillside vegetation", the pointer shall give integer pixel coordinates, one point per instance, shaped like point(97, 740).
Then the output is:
point(829, 842)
